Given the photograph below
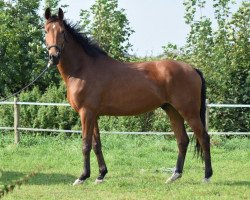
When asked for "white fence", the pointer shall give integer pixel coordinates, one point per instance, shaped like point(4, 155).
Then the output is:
point(16, 127)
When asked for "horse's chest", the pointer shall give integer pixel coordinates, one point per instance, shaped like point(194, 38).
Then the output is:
point(80, 94)
point(76, 93)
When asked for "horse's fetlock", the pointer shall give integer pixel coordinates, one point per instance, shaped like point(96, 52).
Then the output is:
point(209, 174)
point(103, 171)
point(84, 176)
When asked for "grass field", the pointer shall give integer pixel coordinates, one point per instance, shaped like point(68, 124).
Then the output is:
point(137, 169)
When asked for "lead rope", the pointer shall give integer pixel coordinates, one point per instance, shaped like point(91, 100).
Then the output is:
point(31, 83)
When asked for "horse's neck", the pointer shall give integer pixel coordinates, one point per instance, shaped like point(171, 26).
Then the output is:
point(73, 60)
point(76, 63)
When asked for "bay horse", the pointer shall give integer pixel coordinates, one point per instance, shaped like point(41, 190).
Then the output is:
point(99, 85)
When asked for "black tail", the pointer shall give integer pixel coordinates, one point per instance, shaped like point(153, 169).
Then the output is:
point(198, 150)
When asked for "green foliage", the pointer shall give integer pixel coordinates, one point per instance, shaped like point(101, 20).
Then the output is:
point(152, 121)
point(109, 26)
point(22, 52)
point(54, 5)
point(54, 117)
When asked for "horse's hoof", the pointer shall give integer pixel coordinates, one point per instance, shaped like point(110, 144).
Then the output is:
point(206, 180)
point(98, 181)
point(77, 182)
point(174, 177)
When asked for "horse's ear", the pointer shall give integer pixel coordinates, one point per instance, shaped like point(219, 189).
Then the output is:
point(47, 13)
point(60, 14)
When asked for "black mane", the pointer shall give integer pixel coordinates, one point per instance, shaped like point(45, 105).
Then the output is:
point(88, 44)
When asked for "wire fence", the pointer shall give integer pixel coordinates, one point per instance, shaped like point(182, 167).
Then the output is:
point(17, 129)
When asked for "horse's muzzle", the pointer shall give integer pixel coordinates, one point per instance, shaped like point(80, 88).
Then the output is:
point(54, 58)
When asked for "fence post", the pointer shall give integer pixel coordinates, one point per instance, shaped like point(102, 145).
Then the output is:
point(207, 115)
point(16, 121)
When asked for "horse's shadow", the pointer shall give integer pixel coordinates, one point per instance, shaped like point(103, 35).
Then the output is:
point(234, 183)
point(224, 183)
point(8, 177)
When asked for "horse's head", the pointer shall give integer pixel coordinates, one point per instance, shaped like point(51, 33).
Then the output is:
point(55, 35)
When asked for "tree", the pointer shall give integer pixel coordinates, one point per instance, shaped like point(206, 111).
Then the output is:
point(109, 27)
point(54, 4)
point(22, 50)
point(20, 43)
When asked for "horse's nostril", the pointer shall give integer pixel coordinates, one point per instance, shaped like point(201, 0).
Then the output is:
point(52, 57)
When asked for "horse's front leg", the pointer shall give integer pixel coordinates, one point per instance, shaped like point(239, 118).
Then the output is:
point(88, 120)
point(97, 147)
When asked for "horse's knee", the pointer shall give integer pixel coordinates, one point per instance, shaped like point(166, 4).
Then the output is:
point(86, 149)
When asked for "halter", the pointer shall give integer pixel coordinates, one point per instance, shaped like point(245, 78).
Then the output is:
point(56, 46)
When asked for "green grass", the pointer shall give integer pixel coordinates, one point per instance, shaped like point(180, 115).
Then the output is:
point(137, 169)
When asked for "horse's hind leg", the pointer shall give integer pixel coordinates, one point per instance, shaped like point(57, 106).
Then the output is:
point(177, 123)
point(97, 147)
point(204, 142)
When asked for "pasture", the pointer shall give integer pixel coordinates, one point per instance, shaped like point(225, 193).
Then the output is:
point(138, 168)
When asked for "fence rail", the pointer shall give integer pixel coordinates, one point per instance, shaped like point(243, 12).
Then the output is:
point(116, 132)
point(16, 127)
point(210, 105)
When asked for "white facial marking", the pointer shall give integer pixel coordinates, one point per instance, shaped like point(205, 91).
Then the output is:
point(53, 26)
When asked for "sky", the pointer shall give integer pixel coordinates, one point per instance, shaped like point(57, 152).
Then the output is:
point(155, 22)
